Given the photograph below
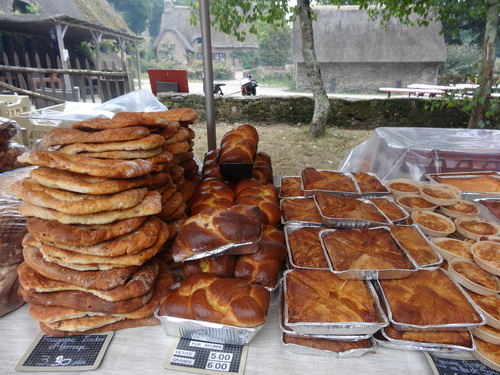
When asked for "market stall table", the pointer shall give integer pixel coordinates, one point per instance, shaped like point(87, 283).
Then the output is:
point(144, 350)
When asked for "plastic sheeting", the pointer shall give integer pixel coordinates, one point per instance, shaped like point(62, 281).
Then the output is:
point(413, 152)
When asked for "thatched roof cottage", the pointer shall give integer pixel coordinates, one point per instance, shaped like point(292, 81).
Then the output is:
point(357, 54)
point(183, 41)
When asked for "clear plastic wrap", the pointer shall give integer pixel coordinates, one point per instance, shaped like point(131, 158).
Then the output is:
point(412, 152)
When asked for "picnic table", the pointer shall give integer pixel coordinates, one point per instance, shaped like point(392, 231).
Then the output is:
point(431, 92)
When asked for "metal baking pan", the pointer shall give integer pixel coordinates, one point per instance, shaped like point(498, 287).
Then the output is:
point(306, 350)
point(436, 327)
point(338, 328)
point(281, 182)
point(405, 214)
point(229, 249)
point(352, 223)
point(469, 195)
point(283, 219)
point(439, 257)
point(207, 331)
point(369, 274)
point(288, 229)
point(382, 340)
point(484, 212)
point(312, 192)
point(373, 194)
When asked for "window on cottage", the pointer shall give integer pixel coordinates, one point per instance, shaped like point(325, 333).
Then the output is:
point(219, 56)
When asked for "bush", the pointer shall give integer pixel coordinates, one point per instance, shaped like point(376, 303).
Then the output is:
point(461, 59)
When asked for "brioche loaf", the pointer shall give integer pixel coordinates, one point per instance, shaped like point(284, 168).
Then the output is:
point(237, 152)
point(230, 301)
point(222, 266)
point(216, 227)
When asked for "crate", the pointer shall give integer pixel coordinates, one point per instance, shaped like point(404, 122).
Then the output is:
point(13, 105)
point(34, 127)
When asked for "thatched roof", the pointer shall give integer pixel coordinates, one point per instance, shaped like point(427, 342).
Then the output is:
point(81, 16)
point(177, 21)
point(347, 34)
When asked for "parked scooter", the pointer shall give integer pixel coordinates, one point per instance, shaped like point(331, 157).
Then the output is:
point(217, 88)
point(248, 86)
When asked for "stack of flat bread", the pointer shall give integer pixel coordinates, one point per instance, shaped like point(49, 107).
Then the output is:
point(103, 203)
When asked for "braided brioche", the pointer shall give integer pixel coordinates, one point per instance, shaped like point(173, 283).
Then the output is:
point(216, 227)
point(230, 301)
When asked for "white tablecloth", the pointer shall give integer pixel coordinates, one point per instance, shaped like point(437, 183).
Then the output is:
point(143, 350)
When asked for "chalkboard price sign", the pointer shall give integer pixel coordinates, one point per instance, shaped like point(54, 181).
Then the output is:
point(72, 353)
point(442, 365)
point(206, 357)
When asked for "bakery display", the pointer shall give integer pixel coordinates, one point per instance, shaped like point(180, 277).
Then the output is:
point(304, 246)
point(474, 228)
point(416, 244)
point(428, 299)
point(314, 180)
point(339, 211)
point(471, 276)
point(433, 224)
point(365, 249)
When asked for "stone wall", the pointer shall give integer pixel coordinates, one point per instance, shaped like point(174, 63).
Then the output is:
point(296, 110)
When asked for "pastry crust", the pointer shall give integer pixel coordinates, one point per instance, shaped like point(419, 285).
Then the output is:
point(313, 179)
point(305, 248)
point(428, 298)
point(338, 207)
point(460, 338)
point(300, 209)
point(291, 186)
point(337, 346)
point(390, 209)
point(415, 244)
point(484, 184)
point(369, 183)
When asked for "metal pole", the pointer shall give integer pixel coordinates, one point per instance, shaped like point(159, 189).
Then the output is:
point(208, 75)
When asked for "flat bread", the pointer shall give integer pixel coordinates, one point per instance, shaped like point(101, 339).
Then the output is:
point(81, 183)
point(81, 235)
point(181, 135)
point(147, 143)
point(102, 279)
point(167, 132)
point(178, 147)
point(69, 202)
point(86, 262)
point(126, 155)
point(65, 136)
point(183, 115)
point(150, 205)
point(50, 314)
point(140, 283)
point(109, 168)
point(131, 243)
point(84, 301)
point(122, 324)
point(155, 119)
point(96, 123)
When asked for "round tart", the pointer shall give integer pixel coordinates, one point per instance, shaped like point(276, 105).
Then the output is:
point(488, 354)
point(474, 228)
point(440, 194)
point(451, 248)
point(489, 307)
point(471, 276)
point(487, 255)
point(462, 208)
point(433, 224)
point(413, 202)
point(400, 186)
point(487, 333)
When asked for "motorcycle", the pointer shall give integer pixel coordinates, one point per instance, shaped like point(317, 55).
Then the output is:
point(217, 88)
point(248, 86)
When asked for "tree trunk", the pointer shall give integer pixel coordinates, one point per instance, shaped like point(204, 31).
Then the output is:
point(488, 59)
point(321, 101)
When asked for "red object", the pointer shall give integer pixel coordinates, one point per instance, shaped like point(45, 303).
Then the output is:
point(168, 75)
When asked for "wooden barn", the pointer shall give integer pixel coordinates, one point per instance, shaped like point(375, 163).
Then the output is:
point(357, 55)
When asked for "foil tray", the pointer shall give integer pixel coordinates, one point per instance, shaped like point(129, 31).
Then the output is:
point(381, 339)
point(484, 213)
point(207, 331)
point(339, 328)
point(290, 228)
point(306, 350)
point(312, 192)
point(437, 327)
point(284, 221)
point(229, 249)
point(405, 213)
point(344, 223)
point(373, 194)
point(426, 239)
point(369, 274)
point(469, 195)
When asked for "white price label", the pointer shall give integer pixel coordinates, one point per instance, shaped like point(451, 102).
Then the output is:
point(218, 366)
point(218, 356)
